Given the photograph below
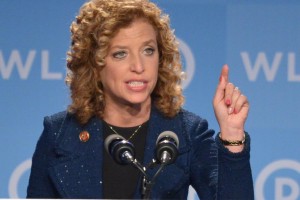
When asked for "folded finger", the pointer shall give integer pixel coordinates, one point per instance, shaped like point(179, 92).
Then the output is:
point(235, 96)
point(228, 94)
point(241, 102)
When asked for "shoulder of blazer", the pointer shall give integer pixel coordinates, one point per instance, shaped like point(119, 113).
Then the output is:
point(185, 124)
point(193, 123)
point(54, 123)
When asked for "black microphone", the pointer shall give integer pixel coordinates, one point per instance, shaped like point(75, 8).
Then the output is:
point(167, 147)
point(121, 150)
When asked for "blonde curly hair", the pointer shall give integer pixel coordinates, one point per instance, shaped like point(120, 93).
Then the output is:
point(96, 24)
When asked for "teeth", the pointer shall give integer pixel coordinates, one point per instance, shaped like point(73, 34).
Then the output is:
point(136, 83)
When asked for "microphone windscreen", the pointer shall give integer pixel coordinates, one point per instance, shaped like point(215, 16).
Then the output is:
point(110, 139)
point(168, 134)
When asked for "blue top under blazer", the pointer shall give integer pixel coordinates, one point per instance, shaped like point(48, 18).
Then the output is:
point(65, 167)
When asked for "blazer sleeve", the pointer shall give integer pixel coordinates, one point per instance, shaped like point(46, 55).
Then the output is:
point(217, 173)
point(40, 185)
point(203, 161)
point(235, 176)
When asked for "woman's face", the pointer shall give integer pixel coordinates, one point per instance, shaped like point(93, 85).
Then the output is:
point(131, 70)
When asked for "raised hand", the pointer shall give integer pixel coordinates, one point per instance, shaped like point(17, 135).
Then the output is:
point(231, 109)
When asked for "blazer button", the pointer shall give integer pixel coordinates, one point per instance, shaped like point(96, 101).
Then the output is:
point(84, 136)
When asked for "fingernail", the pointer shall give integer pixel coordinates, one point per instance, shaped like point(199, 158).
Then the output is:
point(229, 110)
point(228, 102)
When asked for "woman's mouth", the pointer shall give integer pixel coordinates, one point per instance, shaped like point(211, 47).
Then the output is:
point(137, 86)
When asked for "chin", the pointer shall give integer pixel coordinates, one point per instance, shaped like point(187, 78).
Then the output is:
point(136, 101)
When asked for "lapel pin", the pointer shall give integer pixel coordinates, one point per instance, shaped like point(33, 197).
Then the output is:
point(84, 136)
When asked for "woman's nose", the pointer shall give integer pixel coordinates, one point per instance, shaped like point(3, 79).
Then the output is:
point(137, 64)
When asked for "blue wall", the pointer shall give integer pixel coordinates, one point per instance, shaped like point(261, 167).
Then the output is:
point(260, 40)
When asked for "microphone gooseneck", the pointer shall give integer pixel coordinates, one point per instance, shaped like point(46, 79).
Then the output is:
point(166, 153)
point(123, 152)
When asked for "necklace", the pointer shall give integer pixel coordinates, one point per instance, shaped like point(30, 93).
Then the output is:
point(131, 136)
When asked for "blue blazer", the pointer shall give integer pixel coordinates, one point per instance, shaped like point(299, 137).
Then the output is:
point(65, 167)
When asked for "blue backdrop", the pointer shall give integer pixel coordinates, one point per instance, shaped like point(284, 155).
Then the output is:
point(259, 39)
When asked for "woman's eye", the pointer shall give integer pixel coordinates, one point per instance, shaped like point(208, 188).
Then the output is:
point(119, 54)
point(149, 51)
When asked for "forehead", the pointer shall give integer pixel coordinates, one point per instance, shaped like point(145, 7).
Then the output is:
point(139, 29)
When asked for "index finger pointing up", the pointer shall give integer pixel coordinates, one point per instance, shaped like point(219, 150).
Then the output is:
point(225, 72)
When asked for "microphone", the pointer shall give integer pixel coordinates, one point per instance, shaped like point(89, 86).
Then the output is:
point(167, 147)
point(121, 150)
point(166, 153)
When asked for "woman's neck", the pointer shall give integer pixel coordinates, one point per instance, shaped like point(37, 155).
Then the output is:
point(127, 115)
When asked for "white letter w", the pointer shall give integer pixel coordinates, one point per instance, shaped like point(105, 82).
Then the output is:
point(15, 58)
point(261, 61)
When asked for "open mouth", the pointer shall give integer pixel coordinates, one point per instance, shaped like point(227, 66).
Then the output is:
point(136, 83)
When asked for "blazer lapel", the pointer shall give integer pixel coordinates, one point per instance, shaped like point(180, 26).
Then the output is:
point(158, 124)
point(77, 172)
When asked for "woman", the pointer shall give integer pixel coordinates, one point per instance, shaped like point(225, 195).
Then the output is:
point(124, 77)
